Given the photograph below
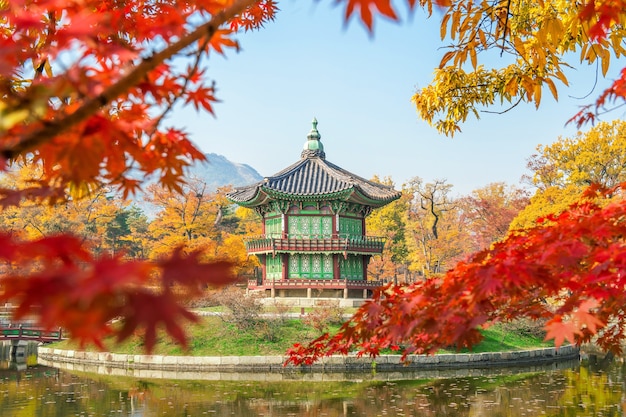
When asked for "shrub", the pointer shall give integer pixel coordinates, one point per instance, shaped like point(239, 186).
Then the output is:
point(326, 313)
point(244, 311)
point(526, 327)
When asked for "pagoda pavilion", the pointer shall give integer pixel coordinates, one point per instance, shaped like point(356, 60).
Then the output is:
point(314, 242)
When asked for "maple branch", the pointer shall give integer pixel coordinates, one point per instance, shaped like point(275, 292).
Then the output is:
point(593, 88)
point(194, 70)
point(51, 129)
point(506, 110)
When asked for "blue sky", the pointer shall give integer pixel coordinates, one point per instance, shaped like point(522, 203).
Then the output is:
point(308, 63)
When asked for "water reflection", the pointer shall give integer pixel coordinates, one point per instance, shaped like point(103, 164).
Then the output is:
point(579, 391)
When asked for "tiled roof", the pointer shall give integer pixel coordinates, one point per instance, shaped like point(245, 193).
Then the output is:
point(312, 176)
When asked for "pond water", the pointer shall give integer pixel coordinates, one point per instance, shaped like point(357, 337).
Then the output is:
point(587, 388)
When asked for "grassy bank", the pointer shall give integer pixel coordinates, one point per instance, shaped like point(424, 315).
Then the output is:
point(215, 337)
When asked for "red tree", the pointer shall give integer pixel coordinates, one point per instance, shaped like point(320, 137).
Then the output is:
point(572, 273)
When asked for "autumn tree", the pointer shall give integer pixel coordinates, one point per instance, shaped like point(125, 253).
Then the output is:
point(536, 43)
point(97, 219)
point(436, 234)
point(389, 222)
point(181, 218)
point(250, 223)
point(563, 169)
point(489, 211)
point(197, 219)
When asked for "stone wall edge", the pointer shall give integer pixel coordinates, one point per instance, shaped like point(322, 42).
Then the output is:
point(333, 363)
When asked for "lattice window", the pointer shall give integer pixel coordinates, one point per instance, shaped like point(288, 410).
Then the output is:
point(316, 270)
point(327, 226)
point(293, 226)
point(316, 226)
point(294, 264)
point(305, 264)
point(305, 226)
point(328, 265)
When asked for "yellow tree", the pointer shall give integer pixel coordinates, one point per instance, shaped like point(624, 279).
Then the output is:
point(536, 42)
point(183, 218)
point(249, 222)
point(437, 236)
point(91, 218)
point(197, 220)
point(389, 222)
point(562, 170)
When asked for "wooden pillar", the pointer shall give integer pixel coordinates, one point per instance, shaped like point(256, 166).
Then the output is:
point(345, 292)
point(336, 271)
point(364, 293)
point(308, 292)
point(285, 257)
point(264, 269)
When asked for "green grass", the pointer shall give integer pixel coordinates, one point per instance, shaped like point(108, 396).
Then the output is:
point(499, 338)
point(214, 337)
point(272, 309)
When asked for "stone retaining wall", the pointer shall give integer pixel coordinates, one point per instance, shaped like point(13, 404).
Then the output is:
point(332, 364)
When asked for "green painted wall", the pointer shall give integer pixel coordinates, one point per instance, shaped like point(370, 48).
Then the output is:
point(273, 227)
point(274, 267)
point(352, 227)
point(351, 268)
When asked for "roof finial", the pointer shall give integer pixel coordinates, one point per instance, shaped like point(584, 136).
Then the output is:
point(313, 146)
point(314, 134)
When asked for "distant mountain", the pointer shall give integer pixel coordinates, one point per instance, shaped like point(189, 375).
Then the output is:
point(216, 172)
point(219, 171)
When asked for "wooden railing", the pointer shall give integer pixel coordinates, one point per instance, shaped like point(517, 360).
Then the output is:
point(28, 333)
point(340, 244)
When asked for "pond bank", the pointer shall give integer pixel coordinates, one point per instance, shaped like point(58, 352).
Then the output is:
point(274, 364)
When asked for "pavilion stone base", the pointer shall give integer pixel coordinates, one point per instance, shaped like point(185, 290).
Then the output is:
point(312, 302)
point(317, 293)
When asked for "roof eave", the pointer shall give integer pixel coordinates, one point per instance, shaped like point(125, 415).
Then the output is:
point(357, 196)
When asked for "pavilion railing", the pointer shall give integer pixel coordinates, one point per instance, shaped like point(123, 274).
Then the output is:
point(314, 243)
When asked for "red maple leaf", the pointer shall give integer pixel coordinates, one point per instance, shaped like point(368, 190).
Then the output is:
point(367, 9)
point(561, 331)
